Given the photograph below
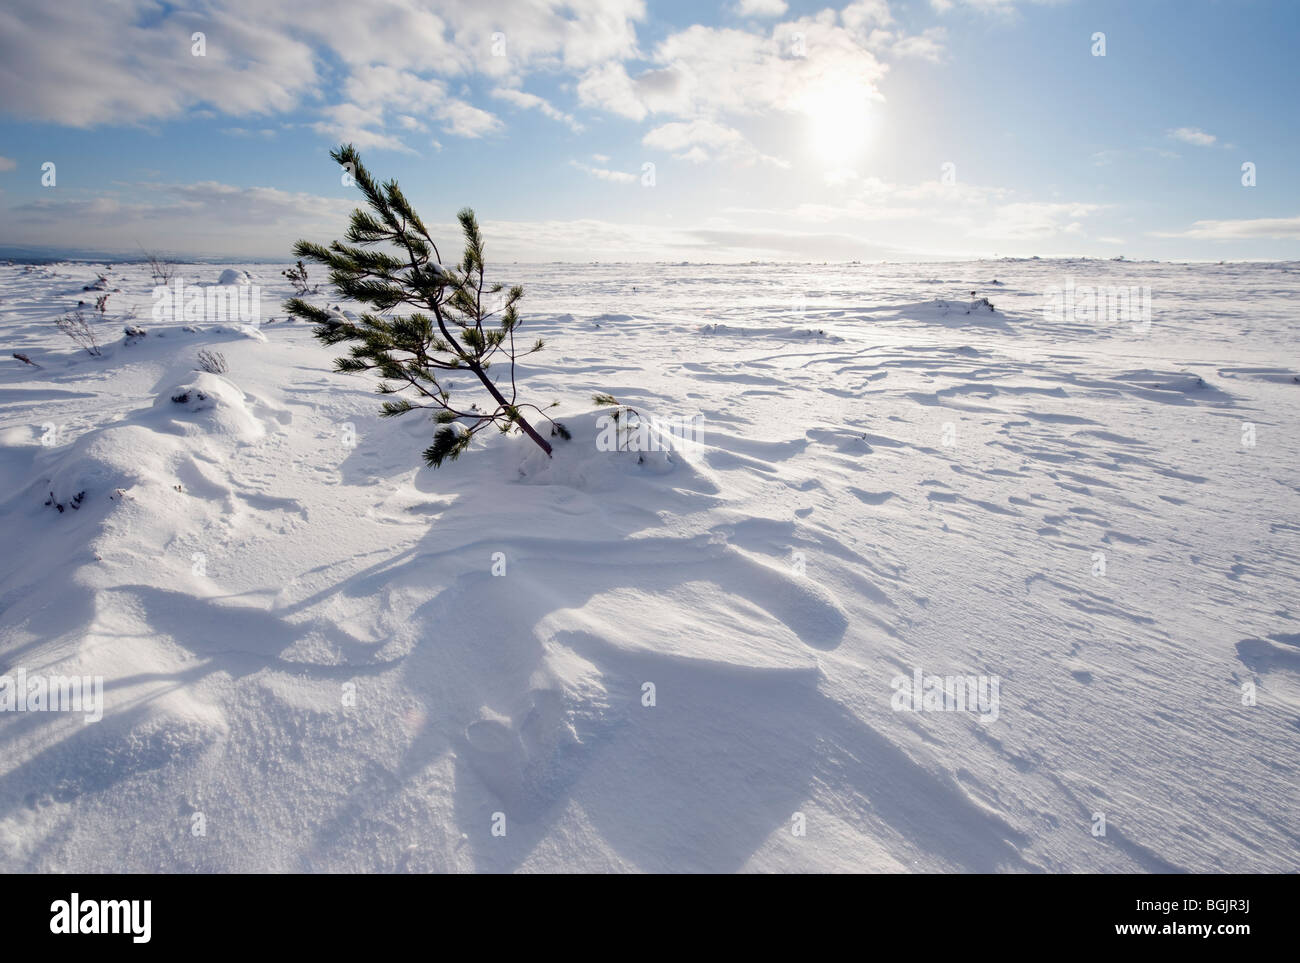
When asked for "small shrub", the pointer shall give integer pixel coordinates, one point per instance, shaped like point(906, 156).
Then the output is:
point(213, 362)
point(74, 502)
point(162, 271)
point(79, 329)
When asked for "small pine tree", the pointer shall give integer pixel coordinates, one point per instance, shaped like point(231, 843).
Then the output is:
point(452, 327)
point(298, 278)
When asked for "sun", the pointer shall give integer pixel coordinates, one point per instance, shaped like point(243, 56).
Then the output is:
point(838, 122)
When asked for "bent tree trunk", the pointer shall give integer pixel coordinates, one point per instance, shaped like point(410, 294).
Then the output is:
point(531, 432)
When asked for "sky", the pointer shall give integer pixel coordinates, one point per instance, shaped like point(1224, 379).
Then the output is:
point(772, 130)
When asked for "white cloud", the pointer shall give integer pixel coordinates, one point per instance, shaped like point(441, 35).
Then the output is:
point(200, 218)
point(77, 64)
point(493, 37)
point(610, 88)
point(214, 218)
point(927, 45)
point(738, 72)
point(1270, 228)
point(84, 63)
point(617, 177)
point(715, 240)
point(373, 91)
point(680, 136)
point(964, 213)
point(761, 8)
point(529, 101)
point(1192, 135)
point(705, 70)
point(1034, 220)
point(705, 76)
point(862, 15)
point(466, 120)
point(355, 125)
point(990, 6)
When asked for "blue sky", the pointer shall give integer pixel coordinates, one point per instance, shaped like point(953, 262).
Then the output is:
point(777, 130)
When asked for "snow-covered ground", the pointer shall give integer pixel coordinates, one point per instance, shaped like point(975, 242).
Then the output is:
point(319, 655)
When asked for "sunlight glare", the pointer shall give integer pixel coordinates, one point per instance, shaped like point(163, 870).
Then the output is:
point(838, 122)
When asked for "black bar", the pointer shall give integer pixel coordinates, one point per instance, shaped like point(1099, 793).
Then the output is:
point(332, 913)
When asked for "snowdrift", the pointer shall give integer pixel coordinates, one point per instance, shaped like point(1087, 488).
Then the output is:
point(661, 647)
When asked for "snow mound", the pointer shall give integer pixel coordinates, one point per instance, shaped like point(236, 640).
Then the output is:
point(101, 466)
point(209, 403)
point(603, 449)
point(85, 477)
point(138, 458)
point(251, 331)
point(785, 332)
point(232, 276)
point(977, 306)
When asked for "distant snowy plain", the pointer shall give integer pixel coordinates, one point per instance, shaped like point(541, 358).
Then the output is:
point(319, 655)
